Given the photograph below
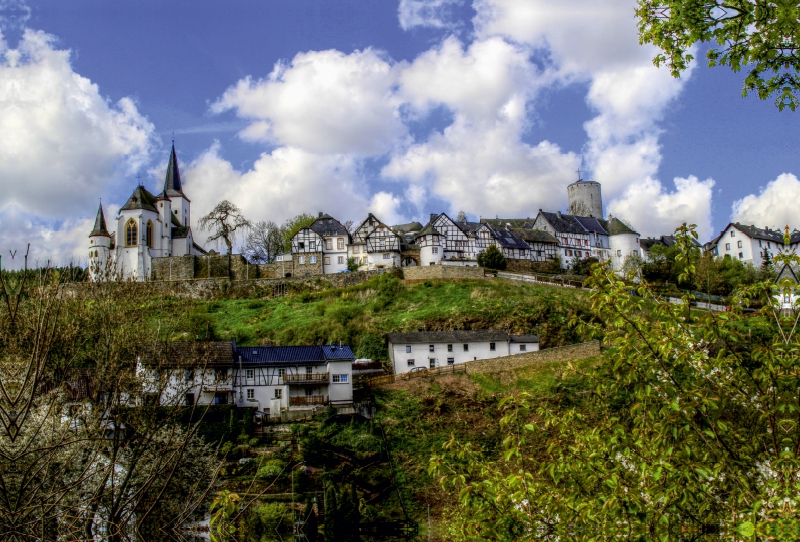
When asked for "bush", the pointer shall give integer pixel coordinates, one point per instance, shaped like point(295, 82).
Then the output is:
point(253, 442)
point(372, 347)
point(270, 470)
point(492, 258)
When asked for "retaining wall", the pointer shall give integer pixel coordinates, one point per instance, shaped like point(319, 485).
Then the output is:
point(559, 353)
point(428, 272)
point(528, 266)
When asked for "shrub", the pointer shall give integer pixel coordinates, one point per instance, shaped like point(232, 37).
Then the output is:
point(270, 470)
point(492, 258)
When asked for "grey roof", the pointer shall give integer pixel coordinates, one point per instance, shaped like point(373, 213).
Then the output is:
point(140, 199)
point(564, 223)
point(524, 339)
point(172, 181)
point(666, 240)
point(591, 224)
point(507, 239)
point(764, 234)
point(327, 226)
point(294, 355)
point(411, 226)
point(513, 222)
point(427, 230)
point(615, 226)
point(530, 235)
point(463, 336)
point(190, 353)
point(99, 224)
point(471, 227)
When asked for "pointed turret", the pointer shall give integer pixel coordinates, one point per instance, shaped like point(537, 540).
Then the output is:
point(172, 182)
point(99, 224)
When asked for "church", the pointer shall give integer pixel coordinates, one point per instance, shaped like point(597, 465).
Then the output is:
point(147, 227)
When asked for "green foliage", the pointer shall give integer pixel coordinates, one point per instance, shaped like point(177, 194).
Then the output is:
point(693, 431)
point(582, 266)
point(492, 258)
point(372, 347)
point(332, 527)
point(294, 225)
point(270, 519)
point(762, 37)
point(342, 518)
point(352, 264)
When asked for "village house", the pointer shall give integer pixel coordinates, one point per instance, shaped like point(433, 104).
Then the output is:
point(431, 349)
point(748, 244)
point(375, 245)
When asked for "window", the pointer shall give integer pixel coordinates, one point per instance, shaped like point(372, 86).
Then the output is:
point(569, 253)
point(312, 245)
point(301, 245)
point(586, 242)
point(302, 259)
point(340, 244)
point(278, 393)
point(411, 363)
point(149, 233)
point(451, 361)
point(309, 370)
point(430, 348)
point(449, 347)
point(131, 233)
point(250, 374)
point(741, 256)
point(251, 394)
point(432, 363)
point(759, 243)
point(727, 246)
point(523, 347)
point(327, 260)
point(492, 347)
point(466, 348)
point(733, 233)
point(364, 260)
point(383, 242)
point(408, 349)
point(435, 250)
point(768, 245)
point(786, 298)
point(328, 244)
point(619, 253)
point(312, 259)
point(739, 244)
point(340, 379)
point(281, 372)
point(386, 256)
point(188, 374)
point(355, 250)
point(340, 260)
point(189, 399)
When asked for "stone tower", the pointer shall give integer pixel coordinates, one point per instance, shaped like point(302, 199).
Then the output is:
point(99, 247)
point(585, 199)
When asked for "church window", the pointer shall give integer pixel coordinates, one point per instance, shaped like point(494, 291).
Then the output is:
point(131, 233)
point(149, 233)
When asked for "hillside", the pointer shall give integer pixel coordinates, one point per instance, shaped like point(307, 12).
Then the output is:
point(360, 315)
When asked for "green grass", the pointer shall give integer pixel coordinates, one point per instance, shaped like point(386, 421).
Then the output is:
point(360, 315)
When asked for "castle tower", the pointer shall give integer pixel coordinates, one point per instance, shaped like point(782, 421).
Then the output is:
point(173, 190)
point(585, 199)
point(99, 247)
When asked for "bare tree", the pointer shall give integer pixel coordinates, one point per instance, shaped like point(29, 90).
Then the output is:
point(225, 222)
point(264, 241)
point(349, 226)
point(462, 216)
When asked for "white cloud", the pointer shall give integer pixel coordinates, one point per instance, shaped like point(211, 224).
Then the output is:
point(653, 211)
point(324, 102)
point(60, 140)
point(386, 207)
point(281, 184)
point(775, 205)
point(426, 13)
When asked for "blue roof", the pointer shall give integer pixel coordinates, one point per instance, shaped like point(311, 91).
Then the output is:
point(293, 355)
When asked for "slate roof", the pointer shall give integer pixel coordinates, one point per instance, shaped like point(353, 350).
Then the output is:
point(524, 339)
point(564, 223)
point(470, 227)
point(172, 181)
point(530, 235)
point(764, 234)
point(526, 223)
point(507, 239)
point(189, 354)
point(327, 226)
point(463, 336)
point(99, 224)
point(411, 226)
point(615, 226)
point(140, 199)
point(293, 355)
point(591, 224)
point(428, 230)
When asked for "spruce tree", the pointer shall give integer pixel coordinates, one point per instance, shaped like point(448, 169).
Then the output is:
point(333, 522)
point(311, 526)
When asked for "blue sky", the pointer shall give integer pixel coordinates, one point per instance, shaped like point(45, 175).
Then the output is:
point(400, 107)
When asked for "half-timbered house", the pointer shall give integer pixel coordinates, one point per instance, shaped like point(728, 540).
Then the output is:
point(578, 237)
point(430, 243)
point(456, 240)
point(375, 245)
point(335, 243)
point(307, 252)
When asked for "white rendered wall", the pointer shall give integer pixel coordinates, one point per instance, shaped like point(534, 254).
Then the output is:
point(427, 257)
point(333, 254)
point(422, 355)
point(341, 392)
point(622, 246)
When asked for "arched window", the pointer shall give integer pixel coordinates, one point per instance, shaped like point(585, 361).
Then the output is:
point(786, 297)
point(131, 233)
point(150, 233)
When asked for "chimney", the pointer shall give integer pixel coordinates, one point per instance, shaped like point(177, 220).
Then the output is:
point(320, 214)
point(558, 213)
point(433, 216)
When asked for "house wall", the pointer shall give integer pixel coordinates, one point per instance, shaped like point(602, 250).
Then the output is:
point(305, 267)
point(340, 392)
point(426, 272)
point(423, 357)
point(622, 246)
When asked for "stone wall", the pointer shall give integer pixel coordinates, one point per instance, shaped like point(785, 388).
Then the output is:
point(216, 266)
point(175, 268)
point(559, 353)
point(528, 266)
point(307, 269)
point(428, 272)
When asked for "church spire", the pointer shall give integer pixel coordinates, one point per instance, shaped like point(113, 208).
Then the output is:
point(172, 182)
point(99, 224)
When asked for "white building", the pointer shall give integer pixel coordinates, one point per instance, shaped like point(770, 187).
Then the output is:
point(335, 243)
point(430, 349)
point(147, 227)
point(278, 378)
point(375, 245)
point(746, 243)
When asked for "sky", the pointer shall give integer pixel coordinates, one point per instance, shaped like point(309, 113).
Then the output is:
point(397, 107)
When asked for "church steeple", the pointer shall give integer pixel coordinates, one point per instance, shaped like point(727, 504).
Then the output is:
point(99, 224)
point(172, 182)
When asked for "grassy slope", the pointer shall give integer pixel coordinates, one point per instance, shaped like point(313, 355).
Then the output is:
point(385, 304)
